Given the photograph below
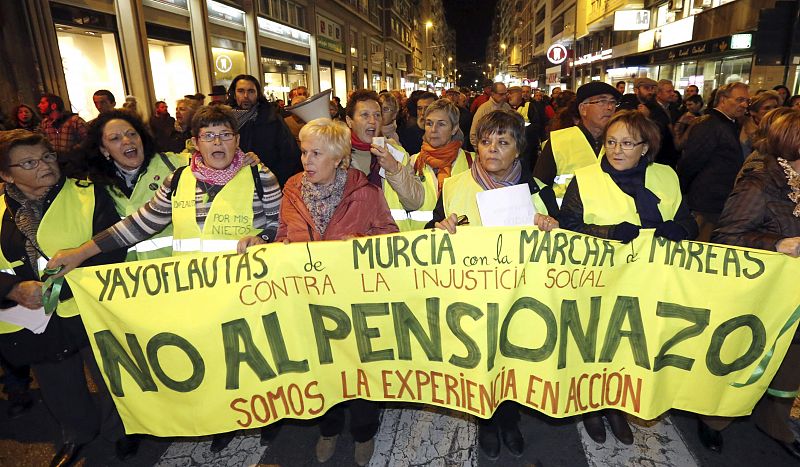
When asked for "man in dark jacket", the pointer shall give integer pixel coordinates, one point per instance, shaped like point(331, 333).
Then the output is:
point(262, 130)
point(712, 157)
point(162, 124)
point(414, 129)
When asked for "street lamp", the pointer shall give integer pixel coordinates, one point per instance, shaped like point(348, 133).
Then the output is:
point(428, 25)
point(503, 46)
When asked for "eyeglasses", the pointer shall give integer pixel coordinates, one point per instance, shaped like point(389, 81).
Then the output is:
point(603, 102)
point(209, 137)
point(31, 164)
point(625, 145)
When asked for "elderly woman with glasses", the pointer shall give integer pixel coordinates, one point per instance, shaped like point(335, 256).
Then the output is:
point(501, 140)
point(616, 198)
point(41, 213)
point(217, 203)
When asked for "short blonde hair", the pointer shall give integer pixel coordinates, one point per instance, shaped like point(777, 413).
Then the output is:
point(332, 133)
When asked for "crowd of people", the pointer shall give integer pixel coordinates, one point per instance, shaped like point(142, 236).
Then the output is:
point(595, 161)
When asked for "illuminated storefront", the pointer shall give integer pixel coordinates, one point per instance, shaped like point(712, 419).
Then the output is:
point(284, 58)
point(170, 63)
point(89, 55)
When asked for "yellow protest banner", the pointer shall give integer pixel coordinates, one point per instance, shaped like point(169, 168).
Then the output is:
point(559, 322)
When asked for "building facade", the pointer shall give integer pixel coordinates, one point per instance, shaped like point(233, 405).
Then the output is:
point(165, 49)
point(691, 42)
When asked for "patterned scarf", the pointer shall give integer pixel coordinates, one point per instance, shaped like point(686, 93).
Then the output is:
point(207, 174)
point(322, 200)
point(440, 159)
point(793, 180)
point(373, 176)
point(244, 116)
point(488, 182)
point(27, 218)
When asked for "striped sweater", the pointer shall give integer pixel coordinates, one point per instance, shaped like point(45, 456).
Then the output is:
point(156, 215)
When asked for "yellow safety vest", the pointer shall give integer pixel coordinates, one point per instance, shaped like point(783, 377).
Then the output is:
point(416, 220)
point(571, 151)
point(459, 197)
point(159, 245)
point(66, 224)
point(229, 219)
point(605, 204)
point(523, 110)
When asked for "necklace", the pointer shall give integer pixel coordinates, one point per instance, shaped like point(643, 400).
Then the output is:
point(793, 179)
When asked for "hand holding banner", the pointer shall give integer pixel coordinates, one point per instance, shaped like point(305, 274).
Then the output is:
point(560, 322)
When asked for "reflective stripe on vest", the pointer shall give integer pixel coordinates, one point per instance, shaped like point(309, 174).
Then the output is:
point(421, 216)
point(188, 245)
point(399, 214)
point(229, 219)
point(604, 203)
point(571, 151)
point(459, 197)
point(153, 244)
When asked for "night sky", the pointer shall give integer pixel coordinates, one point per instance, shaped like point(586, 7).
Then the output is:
point(472, 22)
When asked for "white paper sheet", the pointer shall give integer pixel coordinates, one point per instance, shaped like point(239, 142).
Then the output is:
point(35, 320)
point(506, 206)
point(396, 153)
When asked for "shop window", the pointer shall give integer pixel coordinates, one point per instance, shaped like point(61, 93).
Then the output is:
point(281, 76)
point(172, 70)
point(91, 62)
point(228, 62)
point(325, 77)
point(340, 83)
point(735, 69)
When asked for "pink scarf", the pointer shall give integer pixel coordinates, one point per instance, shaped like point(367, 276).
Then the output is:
point(488, 182)
point(207, 174)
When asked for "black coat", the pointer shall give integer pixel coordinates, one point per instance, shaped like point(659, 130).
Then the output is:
point(712, 156)
point(63, 336)
point(268, 136)
point(667, 155)
point(758, 213)
point(571, 216)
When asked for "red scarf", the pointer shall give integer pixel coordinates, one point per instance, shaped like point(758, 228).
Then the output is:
point(440, 159)
point(213, 176)
point(374, 167)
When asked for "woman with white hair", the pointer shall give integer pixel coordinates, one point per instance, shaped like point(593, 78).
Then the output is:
point(330, 201)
